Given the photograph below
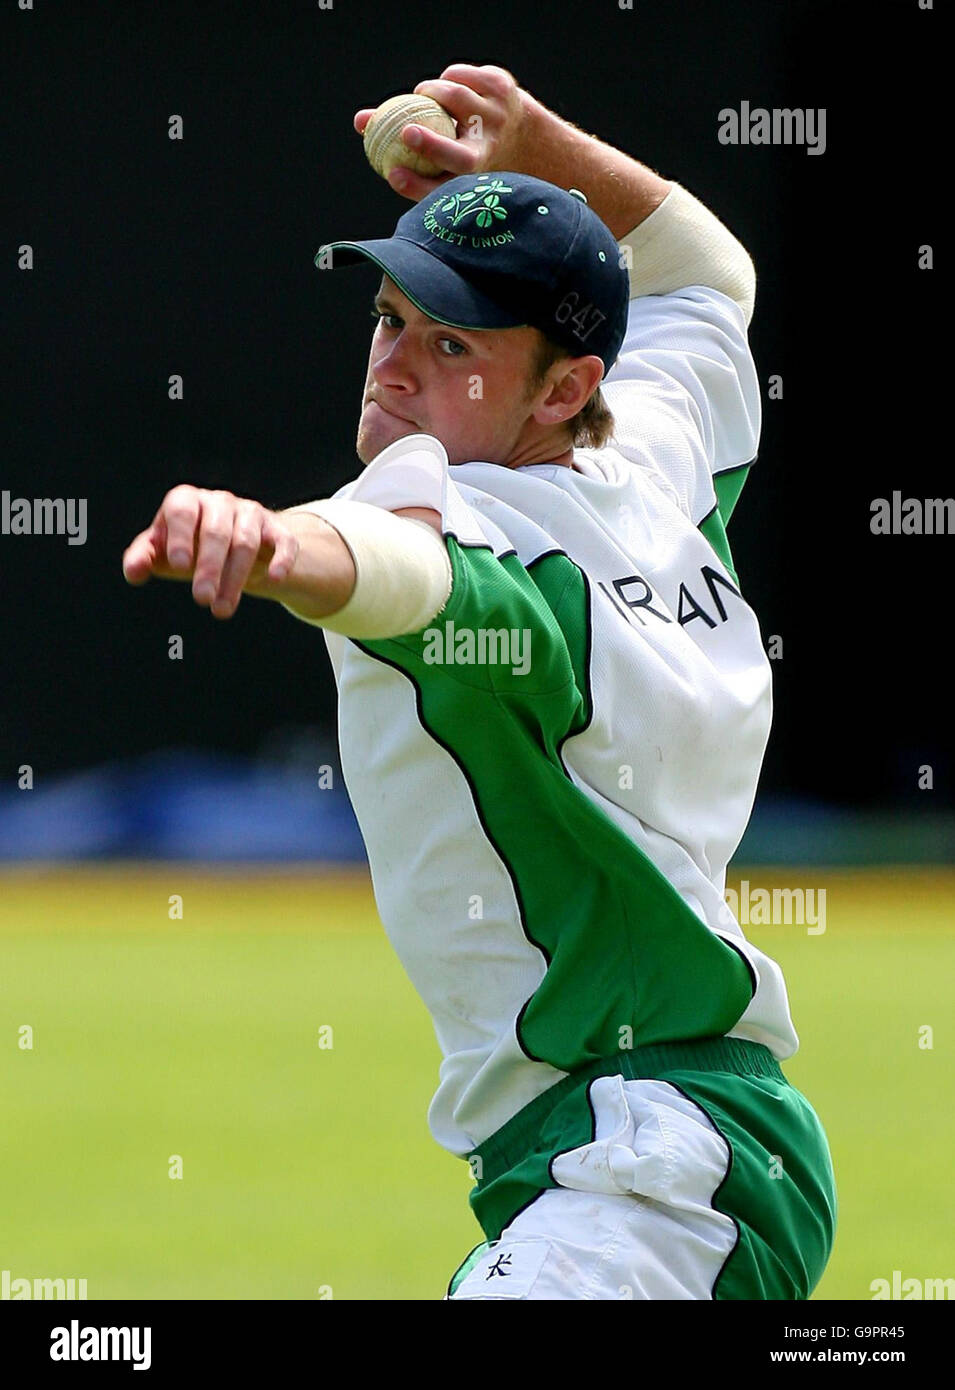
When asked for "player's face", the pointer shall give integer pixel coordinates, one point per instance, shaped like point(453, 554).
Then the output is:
point(469, 388)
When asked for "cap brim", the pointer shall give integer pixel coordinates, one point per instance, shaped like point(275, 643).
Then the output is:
point(430, 284)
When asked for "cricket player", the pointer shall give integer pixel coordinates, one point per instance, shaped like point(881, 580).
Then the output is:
point(554, 704)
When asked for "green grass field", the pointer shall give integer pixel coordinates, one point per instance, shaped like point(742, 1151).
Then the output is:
point(309, 1168)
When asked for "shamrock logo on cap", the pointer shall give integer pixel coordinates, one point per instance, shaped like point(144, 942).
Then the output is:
point(487, 208)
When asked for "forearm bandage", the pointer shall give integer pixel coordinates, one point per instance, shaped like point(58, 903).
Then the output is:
point(402, 567)
point(682, 243)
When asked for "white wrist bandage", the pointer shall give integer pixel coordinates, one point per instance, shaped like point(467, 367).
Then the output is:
point(682, 243)
point(402, 565)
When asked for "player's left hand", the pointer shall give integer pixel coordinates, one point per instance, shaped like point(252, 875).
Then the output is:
point(492, 141)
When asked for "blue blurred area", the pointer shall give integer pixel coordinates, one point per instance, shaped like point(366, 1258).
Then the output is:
point(290, 805)
point(184, 804)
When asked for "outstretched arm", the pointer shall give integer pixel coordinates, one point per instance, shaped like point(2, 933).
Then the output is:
point(366, 572)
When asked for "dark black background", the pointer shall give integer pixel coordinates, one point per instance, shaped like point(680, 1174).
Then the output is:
point(195, 256)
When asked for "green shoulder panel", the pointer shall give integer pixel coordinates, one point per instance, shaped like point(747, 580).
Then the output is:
point(727, 487)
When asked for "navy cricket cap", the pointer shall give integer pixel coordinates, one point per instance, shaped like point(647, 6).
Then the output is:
point(504, 250)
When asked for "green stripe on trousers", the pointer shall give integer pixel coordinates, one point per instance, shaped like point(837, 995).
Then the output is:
point(779, 1189)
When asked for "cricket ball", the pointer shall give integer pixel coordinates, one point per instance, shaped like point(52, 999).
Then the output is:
point(382, 135)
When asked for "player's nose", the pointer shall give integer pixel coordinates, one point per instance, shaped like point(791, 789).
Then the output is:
point(396, 368)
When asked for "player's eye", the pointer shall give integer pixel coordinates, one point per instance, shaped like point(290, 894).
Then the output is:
point(376, 314)
point(457, 348)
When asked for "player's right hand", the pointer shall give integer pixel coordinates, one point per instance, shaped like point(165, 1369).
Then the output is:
point(496, 141)
point(226, 545)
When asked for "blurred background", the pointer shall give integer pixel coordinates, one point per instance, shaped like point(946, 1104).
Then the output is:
point(127, 778)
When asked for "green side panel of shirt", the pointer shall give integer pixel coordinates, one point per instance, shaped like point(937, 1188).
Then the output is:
point(626, 957)
point(727, 487)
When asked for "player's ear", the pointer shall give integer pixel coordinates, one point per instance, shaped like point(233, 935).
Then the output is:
point(572, 381)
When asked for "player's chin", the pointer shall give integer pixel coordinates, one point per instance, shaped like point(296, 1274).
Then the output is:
point(377, 430)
